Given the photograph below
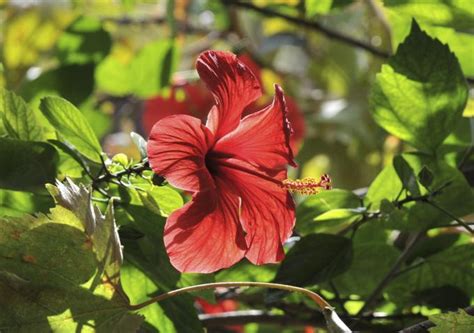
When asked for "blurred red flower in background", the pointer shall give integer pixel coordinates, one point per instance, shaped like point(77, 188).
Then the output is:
point(194, 99)
point(221, 306)
point(234, 166)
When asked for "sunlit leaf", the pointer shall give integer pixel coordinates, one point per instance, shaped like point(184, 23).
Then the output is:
point(455, 322)
point(73, 277)
point(420, 95)
point(456, 197)
point(16, 203)
point(456, 14)
point(315, 7)
point(162, 200)
point(144, 75)
point(96, 117)
point(469, 110)
point(315, 212)
point(70, 163)
point(19, 119)
point(72, 125)
point(459, 42)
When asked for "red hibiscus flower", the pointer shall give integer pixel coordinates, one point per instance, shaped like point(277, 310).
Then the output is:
point(234, 166)
point(183, 98)
point(194, 99)
point(294, 114)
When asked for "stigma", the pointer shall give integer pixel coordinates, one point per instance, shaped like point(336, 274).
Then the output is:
point(308, 186)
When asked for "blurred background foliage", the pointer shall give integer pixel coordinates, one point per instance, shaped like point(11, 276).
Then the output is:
point(109, 57)
point(127, 63)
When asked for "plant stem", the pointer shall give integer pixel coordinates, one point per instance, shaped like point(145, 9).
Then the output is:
point(337, 297)
point(322, 303)
point(391, 274)
point(135, 169)
point(314, 25)
point(457, 219)
point(258, 316)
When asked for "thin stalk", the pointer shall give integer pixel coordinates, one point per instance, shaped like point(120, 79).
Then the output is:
point(136, 169)
point(455, 218)
point(321, 302)
point(391, 274)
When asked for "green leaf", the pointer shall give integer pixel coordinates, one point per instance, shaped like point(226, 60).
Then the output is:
point(454, 322)
point(432, 245)
point(79, 78)
point(100, 121)
point(28, 165)
point(148, 255)
point(246, 271)
point(317, 7)
point(139, 287)
point(16, 203)
point(144, 76)
point(314, 208)
point(19, 119)
point(65, 284)
point(314, 259)
point(101, 229)
point(406, 175)
point(453, 267)
point(457, 197)
point(71, 164)
point(84, 41)
point(72, 125)
point(373, 258)
point(420, 94)
point(335, 220)
point(459, 42)
point(457, 143)
point(161, 200)
point(456, 14)
point(425, 176)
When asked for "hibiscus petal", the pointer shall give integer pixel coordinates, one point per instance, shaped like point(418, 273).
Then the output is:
point(176, 150)
point(267, 210)
point(233, 85)
point(297, 122)
point(262, 138)
point(205, 235)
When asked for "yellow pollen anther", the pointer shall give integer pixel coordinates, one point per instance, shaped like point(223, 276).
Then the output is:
point(308, 186)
